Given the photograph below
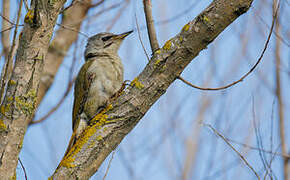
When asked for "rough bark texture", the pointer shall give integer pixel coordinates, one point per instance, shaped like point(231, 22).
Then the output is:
point(110, 126)
point(19, 103)
point(63, 39)
point(5, 24)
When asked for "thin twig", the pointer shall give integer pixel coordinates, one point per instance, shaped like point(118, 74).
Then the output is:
point(259, 139)
point(26, 5)
point(109, 165)
point(150, 25)
point(6, 19)
point(22, 166)
point(7, 29)
point(274, 31)
point(248, 73)
point(69, 6)
point(231, 146)
point(97, 4)
point(72, 29)
point(94, 16)
point(8, 65)
point(56, 106)
point(71, 81)
point(258, 149)
point(281, 117)
point(139, 36)
point(6, 23)
point(117, 16)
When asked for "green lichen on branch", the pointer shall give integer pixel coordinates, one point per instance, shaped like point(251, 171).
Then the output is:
point(167, 45)
point(3, 127)
point(4, 109)
point(13, 177)
point(157, 62)
point(158, 51)
point(11, 82)
point(29, 17)
point(137, 83)
point(185, 27)
point(26, 102)
point(95, 124)
point(205, 18)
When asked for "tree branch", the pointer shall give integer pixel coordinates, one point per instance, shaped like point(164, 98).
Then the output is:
point(150, 25)
point(249, 72)
point(64, 38)
point(109, 127)
point(18, 106)
point(5, 24)
point(234, 149)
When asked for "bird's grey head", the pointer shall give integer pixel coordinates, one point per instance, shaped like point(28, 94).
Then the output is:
point(104, 43)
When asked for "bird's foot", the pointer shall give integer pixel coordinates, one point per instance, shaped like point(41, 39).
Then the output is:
point(119, 92)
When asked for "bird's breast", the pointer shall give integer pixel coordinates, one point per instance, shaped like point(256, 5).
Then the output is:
point(106, 79)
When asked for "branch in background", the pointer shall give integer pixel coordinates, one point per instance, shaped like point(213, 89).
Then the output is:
point(19, 102)
point(97, 4)
point(26, 5)
point(22, 166)
point(259, 149)
point(282, 126)
point(64, 38)
point(150, 25)
point(257, 15)
point(71, 81)
point(5, 28)
point(103, 10)
point(109, 127)
point(259, 141)
point(140, 39)
point(69, 6)
point(70, 84)
point(6, 72)
point(109, 165)
point(118, 15)
point(249, 72)
point(231, 146)
point(72, 29)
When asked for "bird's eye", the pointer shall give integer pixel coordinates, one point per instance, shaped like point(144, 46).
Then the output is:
point(106, 38)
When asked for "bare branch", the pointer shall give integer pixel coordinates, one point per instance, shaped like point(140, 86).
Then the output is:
point(109, 127)
point(56, 106)
point(20, 94)
point(109, 165)
point(5, 27)
point(282, 120)
point(150, 25)
point(118, 15)
point(259, 149)
point(231, 146)
point(8, 64)
point(140, 39)
point(22, 166)
point(248, 73)
point(64, 38)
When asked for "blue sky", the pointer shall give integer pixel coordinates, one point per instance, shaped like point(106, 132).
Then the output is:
point(168, 135)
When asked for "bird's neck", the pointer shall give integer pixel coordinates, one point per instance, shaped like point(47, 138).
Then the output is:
point(97, 55)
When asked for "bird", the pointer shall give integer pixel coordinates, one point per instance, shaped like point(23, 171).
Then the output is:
point(100, 77)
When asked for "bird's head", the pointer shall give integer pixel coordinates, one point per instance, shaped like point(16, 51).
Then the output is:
point(104, 43)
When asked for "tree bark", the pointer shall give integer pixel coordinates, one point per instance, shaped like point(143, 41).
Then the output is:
point(19, 102)
point(64, 38)
point(110, 126)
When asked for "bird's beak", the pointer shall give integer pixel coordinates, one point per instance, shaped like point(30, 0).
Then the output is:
point(123, 35)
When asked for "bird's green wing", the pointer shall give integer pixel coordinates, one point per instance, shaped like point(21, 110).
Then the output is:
point(82, 86)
